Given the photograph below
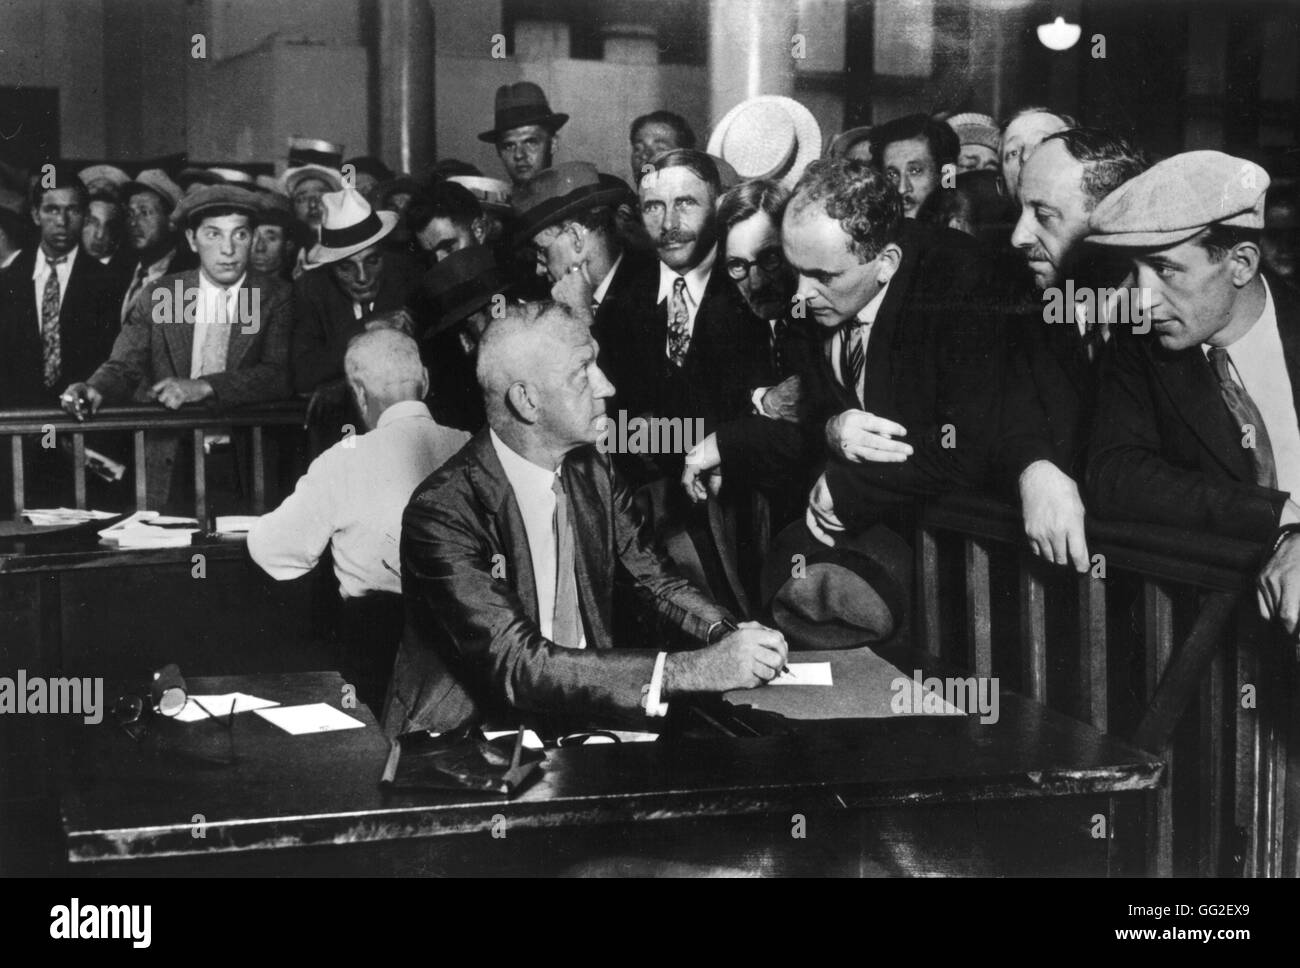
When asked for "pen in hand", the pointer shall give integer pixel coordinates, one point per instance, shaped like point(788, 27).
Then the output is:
point(730, 626)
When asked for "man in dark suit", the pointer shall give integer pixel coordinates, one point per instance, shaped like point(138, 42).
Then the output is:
point(157, 247)
point(217, 334)
point(511, 550)
point(910, 350)
point(58, 312)
point(1197, 427)
point(1059, 338)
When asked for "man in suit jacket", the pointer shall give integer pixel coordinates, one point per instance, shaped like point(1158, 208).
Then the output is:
point(58, 314)
point(1052, 381)
point(510, 553)
point(217, 334)
point(1197, 427)
point(157, 247)
point(910, 350)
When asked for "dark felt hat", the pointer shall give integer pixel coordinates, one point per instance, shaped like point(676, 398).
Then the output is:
point(562, 192)
point(853, 594)
point(522, 104)
point(463, 283)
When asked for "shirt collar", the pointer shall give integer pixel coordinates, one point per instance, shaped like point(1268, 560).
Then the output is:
point(1262, 331)
point(598, 296)
point(402, 410)
point(208, 285)
point(526, 478)
point(867, 314)
point(696, 279)
point(69, 259)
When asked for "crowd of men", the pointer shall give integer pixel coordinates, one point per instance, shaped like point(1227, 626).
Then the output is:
point(1036, 310)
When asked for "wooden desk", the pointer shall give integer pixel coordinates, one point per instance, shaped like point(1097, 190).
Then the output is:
point(312, 803)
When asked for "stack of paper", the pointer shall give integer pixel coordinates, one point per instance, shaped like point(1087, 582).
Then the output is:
point(57, 517)
point(149, 529)
point(236, 523)
point(203, 707)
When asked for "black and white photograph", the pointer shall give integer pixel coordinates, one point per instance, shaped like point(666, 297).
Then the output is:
point(650, 439)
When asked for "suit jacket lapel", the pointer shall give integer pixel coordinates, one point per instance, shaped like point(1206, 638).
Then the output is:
point(248, 299)
point(493, 488)
point(1194, 392)
point(591, 545)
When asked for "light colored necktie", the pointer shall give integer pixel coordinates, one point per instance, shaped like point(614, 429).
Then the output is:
point(566, 627)
point(679, 336)
point(216, 339)
point(50, 301)
point(1246, 414)
point(137, 281)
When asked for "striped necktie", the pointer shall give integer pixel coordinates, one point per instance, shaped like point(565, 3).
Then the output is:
point(853, 358)
point(1247, 416)
point(51, 298)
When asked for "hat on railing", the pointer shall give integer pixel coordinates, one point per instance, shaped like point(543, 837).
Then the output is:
point(349, 227)
point(521, 104)
point(769, 136)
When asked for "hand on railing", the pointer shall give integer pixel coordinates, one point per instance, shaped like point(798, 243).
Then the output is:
point(81, 400)
point(173, 392)
point(859, 436)
point(1053, 514)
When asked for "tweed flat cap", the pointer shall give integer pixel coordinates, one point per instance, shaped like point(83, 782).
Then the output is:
point(976, 129)
point(208, 197)
point(1173, 200)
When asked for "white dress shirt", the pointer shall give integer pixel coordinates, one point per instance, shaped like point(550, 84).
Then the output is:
point(216, 311)
point(1259, 365)
point(532, 486)
point(598, 296)
point(696, 282)
point(353, 496)
point(41, 272)
point(866, 318)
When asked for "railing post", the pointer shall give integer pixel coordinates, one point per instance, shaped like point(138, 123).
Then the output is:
point(1033, 632)
point(1092, 650)
point(16, 459)
point(200, 480)
point(1159, 641)
point(979, 611)
point(79, 468)
point(259, 473)
point(141, 470)
point(928, 589)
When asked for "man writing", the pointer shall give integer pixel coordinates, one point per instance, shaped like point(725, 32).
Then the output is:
point(510, 551)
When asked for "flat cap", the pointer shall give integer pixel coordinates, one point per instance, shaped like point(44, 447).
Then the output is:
point(1176, 198)
point(208, 197)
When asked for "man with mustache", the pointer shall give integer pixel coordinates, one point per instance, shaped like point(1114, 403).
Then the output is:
point(1197, 428)
point(510, 553)
point(914, 152)
point(1052, 387)
point(156, 244)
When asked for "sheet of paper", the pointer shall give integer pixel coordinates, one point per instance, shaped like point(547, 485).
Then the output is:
point(805, 674)
point(316, 717)
point(531, 740)
point(220, 706)
point(46, 517)
point(236, 523)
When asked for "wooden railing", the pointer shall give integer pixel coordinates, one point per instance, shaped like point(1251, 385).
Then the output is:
point(1231, 677)
point(141, 421)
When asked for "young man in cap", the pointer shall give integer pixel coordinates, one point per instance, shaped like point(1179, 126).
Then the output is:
point(1196, 427)
point(58, 305)
point(351, 501)
point(277, 238)
point(526, 131)
point(158, 248)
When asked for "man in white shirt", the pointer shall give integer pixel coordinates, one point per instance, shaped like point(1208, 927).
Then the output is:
point(352, 497)
point(510, 554)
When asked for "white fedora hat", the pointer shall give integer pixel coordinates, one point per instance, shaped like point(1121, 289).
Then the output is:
point(769, 136)
point(350, 225)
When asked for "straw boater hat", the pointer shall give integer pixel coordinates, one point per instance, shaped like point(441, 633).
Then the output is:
point(349, 226)
point(521, 104)
point(770, 137)
point(492, 193)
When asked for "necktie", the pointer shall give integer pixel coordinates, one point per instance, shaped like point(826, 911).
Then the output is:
point(1245, 414)
point(133, 290)
point(566, 628)
point(679, 337)
point(216, 337)
point(854, 359)
point(778, 347)
point(50, 299)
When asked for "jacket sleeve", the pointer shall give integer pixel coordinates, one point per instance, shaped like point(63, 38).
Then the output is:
point(1026, 433)
point(448, 561)
point(130, 361)
point(268, 378)
point(1128, 478)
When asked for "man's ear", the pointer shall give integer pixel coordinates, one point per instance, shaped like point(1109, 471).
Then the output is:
point(478, 228)
point(36, 215)
point(191, 239)
point(1245, 262)
point(887, 262)
point(555, 143)
point(579, 235)
point(521, 402)
point(424, 382)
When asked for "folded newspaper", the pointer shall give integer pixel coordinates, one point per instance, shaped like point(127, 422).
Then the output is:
point(57, 517)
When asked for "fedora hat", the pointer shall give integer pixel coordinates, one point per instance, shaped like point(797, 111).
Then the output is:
point(154, 180)
point(562, 192)
point(349, 226)
point(853, 594)
point(462, 283)
point(521, 104)
point(293, 177)
point(769, 136)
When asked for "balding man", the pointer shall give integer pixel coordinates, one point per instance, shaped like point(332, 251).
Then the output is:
point(351, 498)
point(511, 550)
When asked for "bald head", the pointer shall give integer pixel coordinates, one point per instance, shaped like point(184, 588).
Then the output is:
point(543, 391)
point(383, 367)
